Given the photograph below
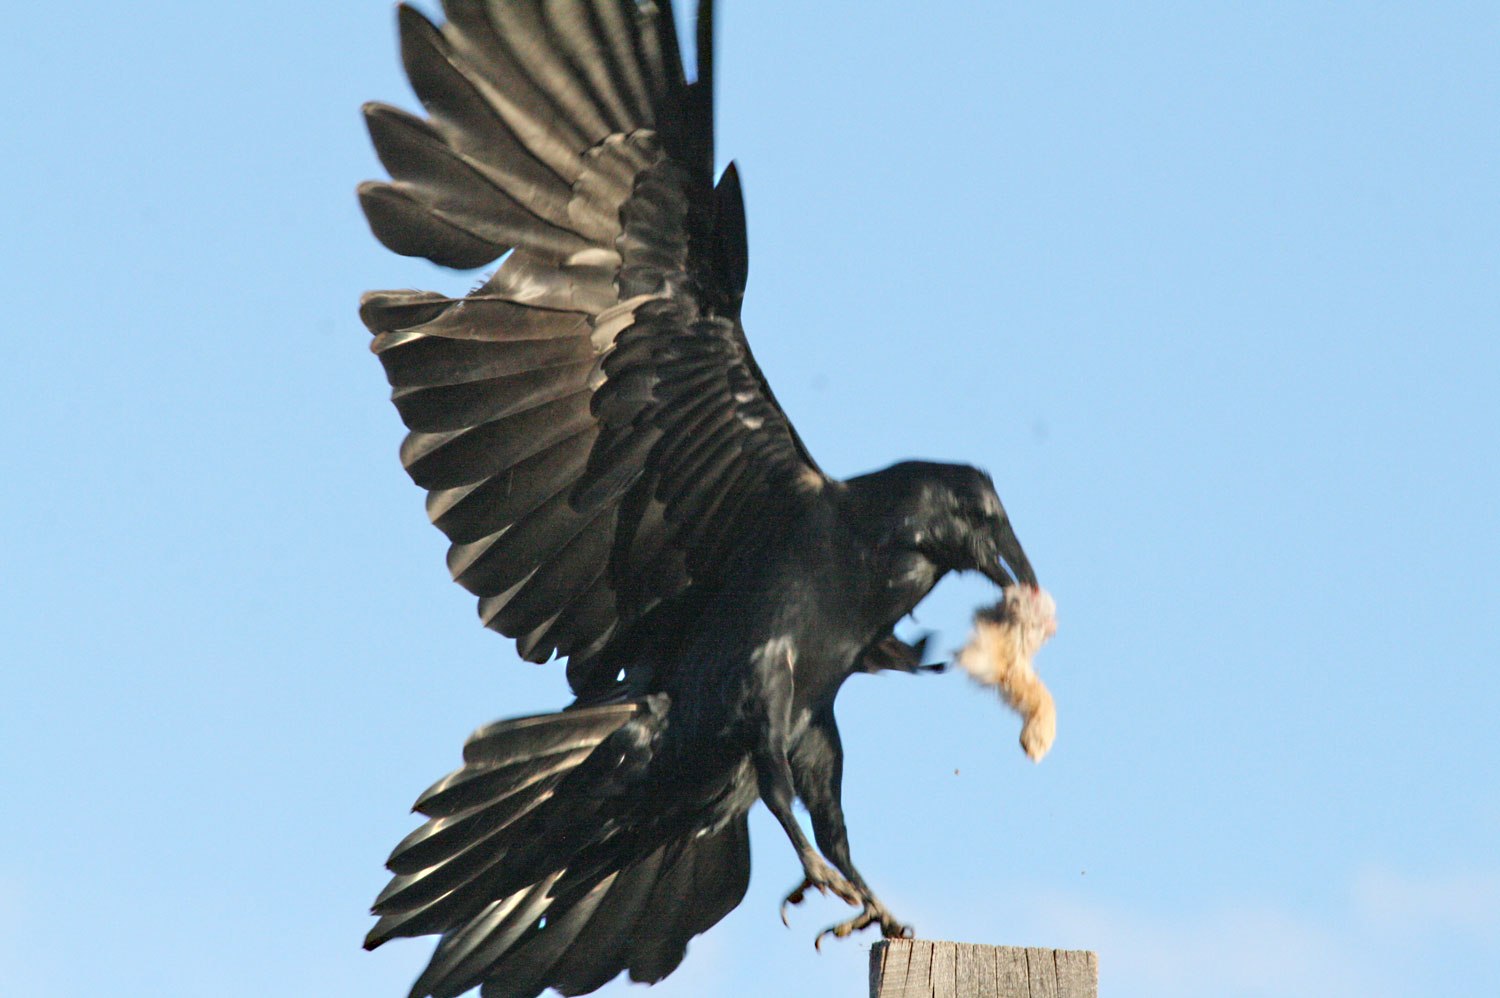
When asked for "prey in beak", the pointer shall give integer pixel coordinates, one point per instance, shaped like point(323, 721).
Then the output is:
point(999, 653)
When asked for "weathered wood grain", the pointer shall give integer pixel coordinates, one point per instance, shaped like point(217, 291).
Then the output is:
point(978, 970)
point(923, 968)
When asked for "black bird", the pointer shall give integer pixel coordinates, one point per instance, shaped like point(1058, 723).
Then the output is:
point(622, 490)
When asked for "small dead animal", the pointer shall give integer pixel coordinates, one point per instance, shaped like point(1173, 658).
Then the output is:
point(999, 654)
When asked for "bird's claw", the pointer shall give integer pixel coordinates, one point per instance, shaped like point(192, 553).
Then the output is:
point(825, 880)
point(796, 896)
point(874, 913)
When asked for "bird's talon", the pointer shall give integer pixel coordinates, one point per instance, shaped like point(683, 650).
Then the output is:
point(892, 929)
point(873, 913)
point(840, 931)
point(797, 896)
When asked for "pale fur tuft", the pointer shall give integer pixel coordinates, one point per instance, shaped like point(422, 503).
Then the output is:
point(999, 654)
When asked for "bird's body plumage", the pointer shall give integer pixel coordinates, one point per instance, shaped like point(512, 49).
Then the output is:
point(622, 489)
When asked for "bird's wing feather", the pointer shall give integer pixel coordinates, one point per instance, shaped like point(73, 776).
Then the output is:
point(590, 425)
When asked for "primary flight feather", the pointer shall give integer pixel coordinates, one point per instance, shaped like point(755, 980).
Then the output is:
point(622, 489)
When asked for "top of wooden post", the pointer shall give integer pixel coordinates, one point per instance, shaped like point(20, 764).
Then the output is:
point(923, 968)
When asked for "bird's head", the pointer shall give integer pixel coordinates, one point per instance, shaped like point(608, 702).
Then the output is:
point(951, 515)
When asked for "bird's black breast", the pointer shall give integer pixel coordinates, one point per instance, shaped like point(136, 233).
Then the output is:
point(838, 593)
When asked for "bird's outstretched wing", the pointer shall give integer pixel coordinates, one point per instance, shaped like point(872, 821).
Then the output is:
point(593, 432)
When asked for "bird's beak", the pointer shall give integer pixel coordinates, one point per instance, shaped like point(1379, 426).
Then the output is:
point(1008, 551)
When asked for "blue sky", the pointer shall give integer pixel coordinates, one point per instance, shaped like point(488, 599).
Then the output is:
point(1211, 289)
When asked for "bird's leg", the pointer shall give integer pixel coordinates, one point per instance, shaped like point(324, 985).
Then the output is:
point(818, 768)
point(773, 667)
point(776, 791)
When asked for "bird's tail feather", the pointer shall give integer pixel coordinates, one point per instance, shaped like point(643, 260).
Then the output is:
point(638, 919)
point(529, 867)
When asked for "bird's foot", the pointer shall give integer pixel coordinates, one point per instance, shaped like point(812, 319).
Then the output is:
point(824, 879)
point(874, 913)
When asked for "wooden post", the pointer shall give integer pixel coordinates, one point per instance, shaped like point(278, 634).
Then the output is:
point(922, 968)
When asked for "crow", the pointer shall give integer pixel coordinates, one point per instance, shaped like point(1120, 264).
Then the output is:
point(622, 490)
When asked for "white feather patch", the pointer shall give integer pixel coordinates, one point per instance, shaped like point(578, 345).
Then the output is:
point(999, 654)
